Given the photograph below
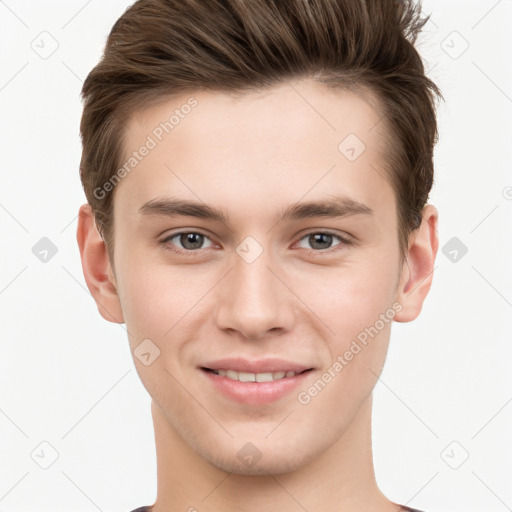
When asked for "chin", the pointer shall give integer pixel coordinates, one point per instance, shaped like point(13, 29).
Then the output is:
point(272, 464)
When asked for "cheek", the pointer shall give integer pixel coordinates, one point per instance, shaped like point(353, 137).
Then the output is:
point(143, 294)
point(360, 316)
point(349, 298)
point(355, 303)
point(160, 302)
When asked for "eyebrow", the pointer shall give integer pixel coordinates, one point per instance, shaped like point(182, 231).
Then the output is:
point(336, 207)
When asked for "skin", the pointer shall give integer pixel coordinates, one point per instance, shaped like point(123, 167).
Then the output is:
point(253, 156)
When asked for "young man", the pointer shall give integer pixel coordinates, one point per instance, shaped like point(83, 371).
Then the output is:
point(257, 175)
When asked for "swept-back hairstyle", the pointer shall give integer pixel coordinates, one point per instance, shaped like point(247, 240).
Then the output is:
point(161, 48)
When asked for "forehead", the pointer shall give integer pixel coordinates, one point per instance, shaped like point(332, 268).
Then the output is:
point(259, 149)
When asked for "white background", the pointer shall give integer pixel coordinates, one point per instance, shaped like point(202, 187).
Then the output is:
point(67, 377)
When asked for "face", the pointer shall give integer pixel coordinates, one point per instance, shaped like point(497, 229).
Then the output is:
point(271, 276)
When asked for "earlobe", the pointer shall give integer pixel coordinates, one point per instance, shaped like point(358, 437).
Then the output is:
point(96, 267)
point(417, 272)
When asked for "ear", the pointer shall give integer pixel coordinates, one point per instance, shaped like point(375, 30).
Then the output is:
point(96, 267)
point(417, 270)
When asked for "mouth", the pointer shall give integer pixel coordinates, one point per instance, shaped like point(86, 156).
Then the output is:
point(254, 389)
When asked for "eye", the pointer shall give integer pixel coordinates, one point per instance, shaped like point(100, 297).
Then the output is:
point(321, 241)
point(190, 241)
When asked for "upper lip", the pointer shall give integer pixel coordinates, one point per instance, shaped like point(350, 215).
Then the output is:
point(261, 366)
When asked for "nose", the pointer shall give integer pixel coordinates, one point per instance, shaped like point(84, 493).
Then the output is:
point(254, 299)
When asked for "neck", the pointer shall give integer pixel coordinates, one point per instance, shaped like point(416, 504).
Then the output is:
point(339, 479)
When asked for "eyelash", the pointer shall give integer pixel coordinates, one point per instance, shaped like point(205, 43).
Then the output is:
point(314, 252)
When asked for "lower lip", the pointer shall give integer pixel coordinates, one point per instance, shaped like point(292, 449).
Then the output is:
point(255, 393)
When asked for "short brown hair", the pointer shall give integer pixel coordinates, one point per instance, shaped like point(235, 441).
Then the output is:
point(161, 48)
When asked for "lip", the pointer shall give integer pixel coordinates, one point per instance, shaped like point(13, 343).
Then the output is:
point(262, 366)
point(255, 393)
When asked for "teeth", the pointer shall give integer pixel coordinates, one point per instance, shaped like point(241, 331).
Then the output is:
point(254, 377)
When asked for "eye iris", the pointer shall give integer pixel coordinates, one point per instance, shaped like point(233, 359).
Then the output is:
point(321, 238)
point(187, 238)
